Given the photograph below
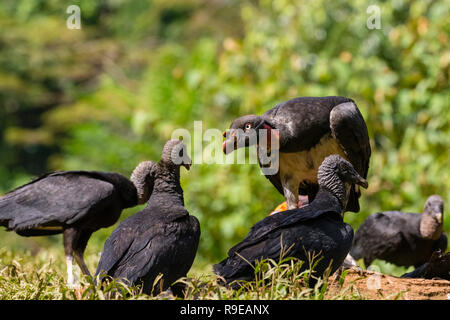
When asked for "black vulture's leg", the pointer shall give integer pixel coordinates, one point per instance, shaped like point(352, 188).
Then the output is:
point(69, 237)
point(79, 248)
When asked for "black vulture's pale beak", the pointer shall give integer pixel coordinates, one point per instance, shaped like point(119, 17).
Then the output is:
point(362, 182)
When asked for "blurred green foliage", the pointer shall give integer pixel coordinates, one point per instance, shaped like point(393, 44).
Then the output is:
point(110, 94)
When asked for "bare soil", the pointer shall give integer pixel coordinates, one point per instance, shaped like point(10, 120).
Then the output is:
point(377, 286)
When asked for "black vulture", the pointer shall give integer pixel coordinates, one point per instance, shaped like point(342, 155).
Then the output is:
point(315, 229)
point(307, 130)
point(437, 267)
point(161, 239)
point(404, 239)
point(74, 203)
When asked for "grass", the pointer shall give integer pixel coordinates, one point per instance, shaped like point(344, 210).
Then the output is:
point(42, 276)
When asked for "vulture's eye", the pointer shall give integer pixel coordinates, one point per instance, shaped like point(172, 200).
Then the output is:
point(248, 126)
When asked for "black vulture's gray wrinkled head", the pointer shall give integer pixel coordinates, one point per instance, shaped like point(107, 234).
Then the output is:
point(433, 218)
point(243, 132)
point(337, 175)
point(175, 154)
point(142, 178)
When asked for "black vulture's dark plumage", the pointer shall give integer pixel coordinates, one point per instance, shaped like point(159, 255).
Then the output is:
point(315, 229)
point(404, 239)
point(437, 267)
point(161, 239)
point(75, 203)
point(309, 129)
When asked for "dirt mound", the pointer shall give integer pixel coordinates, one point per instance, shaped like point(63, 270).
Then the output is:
point(377, 286)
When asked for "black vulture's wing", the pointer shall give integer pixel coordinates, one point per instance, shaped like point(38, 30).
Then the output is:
point(270, 224)
point(239, 263)
point(381, 234)
point(122, 242)
point(53, 199)
point(117, 245)
point(350, 130)
point(142, 246)
point(150, 253)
